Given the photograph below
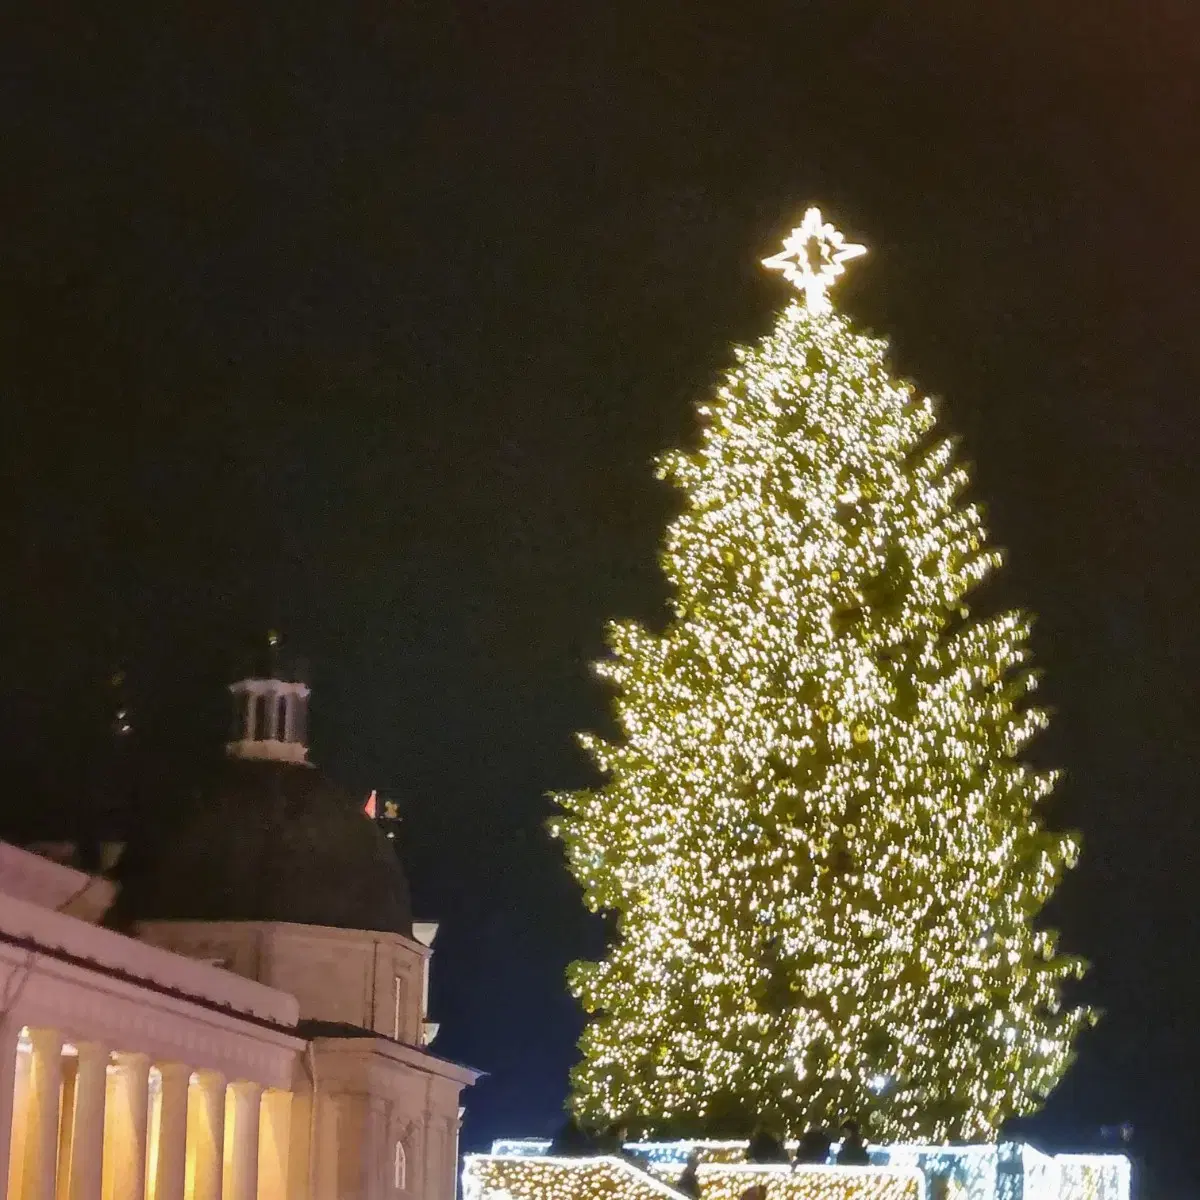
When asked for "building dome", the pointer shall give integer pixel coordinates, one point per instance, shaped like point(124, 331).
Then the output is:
point(270, 838)
point(274, 841)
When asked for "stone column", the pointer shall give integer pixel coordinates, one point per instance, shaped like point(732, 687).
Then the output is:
point(274, 1140)
point(348, 1133)
point(375, 1147)
point(438, 1172)
point(20, 1114)
point(458, 1124)
point(205, 1136)
point(125, 1118)
point(300, 1165)
point(251, 727)
point(170, 1149)
point(83, 1177)
point(10, 1032)
point(66, 1123)
point(241, 1141)
point(331, 1144)
point(41, 1133)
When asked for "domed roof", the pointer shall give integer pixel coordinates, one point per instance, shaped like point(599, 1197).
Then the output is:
point(274, 841)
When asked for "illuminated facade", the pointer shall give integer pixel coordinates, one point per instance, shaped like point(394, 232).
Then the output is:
point(251, 1042)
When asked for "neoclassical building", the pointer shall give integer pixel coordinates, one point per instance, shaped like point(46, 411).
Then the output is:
point(259, 1027)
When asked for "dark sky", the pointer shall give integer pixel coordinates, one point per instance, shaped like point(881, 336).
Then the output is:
point(366, 320)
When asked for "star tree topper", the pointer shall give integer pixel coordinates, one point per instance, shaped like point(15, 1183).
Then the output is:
point(812, 258)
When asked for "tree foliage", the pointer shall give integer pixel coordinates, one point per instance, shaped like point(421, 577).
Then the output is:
point(816, 829)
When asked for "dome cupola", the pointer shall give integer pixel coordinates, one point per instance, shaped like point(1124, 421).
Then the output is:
point(270, 711)
point(268, 837)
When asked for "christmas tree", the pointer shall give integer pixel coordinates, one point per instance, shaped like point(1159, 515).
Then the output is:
point(816, 833)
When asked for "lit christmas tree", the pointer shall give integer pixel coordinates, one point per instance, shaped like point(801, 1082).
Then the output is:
point(816, 832)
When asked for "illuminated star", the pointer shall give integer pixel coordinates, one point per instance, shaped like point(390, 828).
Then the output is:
point(812, 258)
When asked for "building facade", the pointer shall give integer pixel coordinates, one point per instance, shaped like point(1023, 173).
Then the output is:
point(256, 1029)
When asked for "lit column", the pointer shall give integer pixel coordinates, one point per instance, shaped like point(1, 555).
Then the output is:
point(20, 1115)
point(169, 1161)
point(274, 1139)
point(301, 1168)
point(66, 1123)
point(462, 1112)
point(10, 1032)
point(251, 715)
point(300, 717)
point(125, 1113)
point(83, 1177)
point(41, 1131)
point(241, 1141)
point(205, 1136)
point(374, 1152)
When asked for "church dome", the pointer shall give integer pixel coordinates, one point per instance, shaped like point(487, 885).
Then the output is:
point(274, 841)
point(270, 838)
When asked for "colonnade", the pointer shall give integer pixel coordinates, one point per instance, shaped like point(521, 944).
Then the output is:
point(271, 711)
point(84, 1121)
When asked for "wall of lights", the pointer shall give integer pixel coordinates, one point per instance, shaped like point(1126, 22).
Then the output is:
point(491, 1177)
point(495, 1177)
point(729, 1181)
point(521, 1169)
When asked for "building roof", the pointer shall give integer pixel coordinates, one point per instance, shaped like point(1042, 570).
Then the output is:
point(272, 841)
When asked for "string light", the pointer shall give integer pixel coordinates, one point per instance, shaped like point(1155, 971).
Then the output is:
point(720, 1181)
point(486, 1177)
point(816, 829)
point(523, 1170)
point(1093, 1176)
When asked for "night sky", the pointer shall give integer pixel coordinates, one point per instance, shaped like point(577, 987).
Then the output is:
point(365, 321)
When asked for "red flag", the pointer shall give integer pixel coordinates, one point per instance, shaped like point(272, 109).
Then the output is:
point(369, 807)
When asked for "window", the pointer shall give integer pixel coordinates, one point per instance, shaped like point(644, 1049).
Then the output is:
point(261, 710)
point(397, 1007)
point(399, 1167)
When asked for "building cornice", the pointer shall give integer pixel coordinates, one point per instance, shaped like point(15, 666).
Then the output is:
point(103, 950)
point(356, 1057)
point(88, 1003)
point(330, 933)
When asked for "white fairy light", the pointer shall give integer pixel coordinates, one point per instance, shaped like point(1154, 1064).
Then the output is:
point(524, 1170)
